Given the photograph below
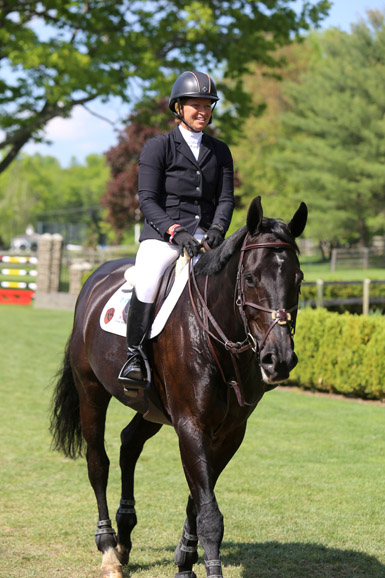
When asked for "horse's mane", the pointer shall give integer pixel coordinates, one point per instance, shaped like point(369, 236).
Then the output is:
point(212, 262)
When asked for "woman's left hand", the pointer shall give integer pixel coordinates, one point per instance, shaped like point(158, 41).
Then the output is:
point(214, 238)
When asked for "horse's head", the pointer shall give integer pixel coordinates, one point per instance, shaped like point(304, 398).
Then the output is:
point(269, 281)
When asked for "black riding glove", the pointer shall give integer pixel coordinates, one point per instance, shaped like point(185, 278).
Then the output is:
point(186, 241)
point(214, 238)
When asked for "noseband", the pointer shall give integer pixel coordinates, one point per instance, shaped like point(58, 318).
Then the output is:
point(279, 316)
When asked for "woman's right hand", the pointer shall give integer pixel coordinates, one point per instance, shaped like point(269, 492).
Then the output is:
point(186, 241)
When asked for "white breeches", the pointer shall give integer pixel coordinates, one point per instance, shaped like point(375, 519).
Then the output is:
point(152, 259)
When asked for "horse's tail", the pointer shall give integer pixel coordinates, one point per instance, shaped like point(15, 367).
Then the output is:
point(65, 424)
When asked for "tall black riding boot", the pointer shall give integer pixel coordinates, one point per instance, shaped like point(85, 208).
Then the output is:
point(134, 372)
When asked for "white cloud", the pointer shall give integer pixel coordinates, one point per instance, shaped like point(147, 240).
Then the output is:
point(80, 135)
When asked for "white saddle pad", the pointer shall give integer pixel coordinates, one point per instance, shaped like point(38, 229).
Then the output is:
point(114, 315)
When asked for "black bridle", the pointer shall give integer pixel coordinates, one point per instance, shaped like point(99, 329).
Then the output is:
point(279, 316)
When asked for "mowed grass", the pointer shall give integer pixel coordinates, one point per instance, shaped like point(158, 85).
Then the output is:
point(315, 271)
point(303, 498)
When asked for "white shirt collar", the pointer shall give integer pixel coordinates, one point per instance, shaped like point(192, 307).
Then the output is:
point(192, 138)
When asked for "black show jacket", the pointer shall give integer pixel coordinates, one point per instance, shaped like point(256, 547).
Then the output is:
point(176, 188)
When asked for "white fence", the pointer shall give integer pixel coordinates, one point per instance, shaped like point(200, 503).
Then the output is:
point(357, 258)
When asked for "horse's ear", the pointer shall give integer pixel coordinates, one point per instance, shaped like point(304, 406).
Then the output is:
point(298, 222)
point(254, 216)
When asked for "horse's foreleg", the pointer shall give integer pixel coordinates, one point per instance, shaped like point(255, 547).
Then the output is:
point(195, 453)
point(186, 553)
point(133, 438)
point(203, 462)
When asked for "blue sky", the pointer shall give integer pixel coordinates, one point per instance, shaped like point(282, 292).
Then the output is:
point(84, 134)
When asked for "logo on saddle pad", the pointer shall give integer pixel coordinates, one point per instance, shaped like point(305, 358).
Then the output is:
point(109, 315)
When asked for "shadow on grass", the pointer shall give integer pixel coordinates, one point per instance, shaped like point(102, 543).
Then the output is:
point(276, 560)
point(296, 560)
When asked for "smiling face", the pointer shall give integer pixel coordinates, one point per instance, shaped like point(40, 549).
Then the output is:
point(196, 113)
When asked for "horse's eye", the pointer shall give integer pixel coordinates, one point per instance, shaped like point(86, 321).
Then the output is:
point(249, 280)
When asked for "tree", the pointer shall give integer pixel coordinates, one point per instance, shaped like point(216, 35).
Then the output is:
point(262, 133)
point(333, 151)
point(36, 188)
point(59, 54)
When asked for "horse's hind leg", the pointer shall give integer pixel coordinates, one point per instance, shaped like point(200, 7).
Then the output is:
point(133, 438)
point(93, 417)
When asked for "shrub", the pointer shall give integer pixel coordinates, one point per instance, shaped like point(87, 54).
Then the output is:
point(340, 353)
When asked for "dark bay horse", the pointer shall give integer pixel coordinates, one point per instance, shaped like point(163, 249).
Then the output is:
point(227, 341)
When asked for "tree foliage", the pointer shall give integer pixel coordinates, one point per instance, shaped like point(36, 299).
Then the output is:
point(37, 188)
point(333, 152)
point(261, 134)
point(59, 54)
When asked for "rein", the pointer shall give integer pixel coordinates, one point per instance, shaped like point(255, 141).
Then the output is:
point(279, 316)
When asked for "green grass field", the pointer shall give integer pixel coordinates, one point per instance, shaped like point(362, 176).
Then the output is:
point(303, 498)
point(314, 271)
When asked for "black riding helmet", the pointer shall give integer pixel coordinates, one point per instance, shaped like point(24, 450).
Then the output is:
point(189, 85)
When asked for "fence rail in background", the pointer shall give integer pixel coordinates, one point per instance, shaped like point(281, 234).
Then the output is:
point(357, 258)
point(92, 257)
point(366, 300)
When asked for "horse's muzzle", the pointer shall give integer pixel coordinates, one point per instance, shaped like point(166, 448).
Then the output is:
point(276, 365)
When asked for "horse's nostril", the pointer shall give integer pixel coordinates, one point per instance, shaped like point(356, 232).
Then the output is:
point(267, 359)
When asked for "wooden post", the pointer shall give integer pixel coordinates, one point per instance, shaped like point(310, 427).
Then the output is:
point(76, 273)
point(366, 297)
point(56, 254)
point(320, 293)
point(333, 260)
point(44, 264)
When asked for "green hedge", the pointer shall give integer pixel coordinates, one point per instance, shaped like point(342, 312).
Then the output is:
point(340, 353)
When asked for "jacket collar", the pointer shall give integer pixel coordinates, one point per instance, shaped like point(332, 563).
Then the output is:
point(205, 149)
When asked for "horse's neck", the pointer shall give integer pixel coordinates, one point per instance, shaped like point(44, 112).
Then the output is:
point(221, 295)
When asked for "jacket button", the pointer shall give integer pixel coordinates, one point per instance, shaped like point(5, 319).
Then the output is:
point(198, 189)
point(196, 202)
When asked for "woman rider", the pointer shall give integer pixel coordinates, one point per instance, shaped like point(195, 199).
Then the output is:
point(186, 194)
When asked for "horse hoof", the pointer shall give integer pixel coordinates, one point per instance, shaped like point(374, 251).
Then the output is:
point(123, 555)
point(111, 572)
point(187, 574)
